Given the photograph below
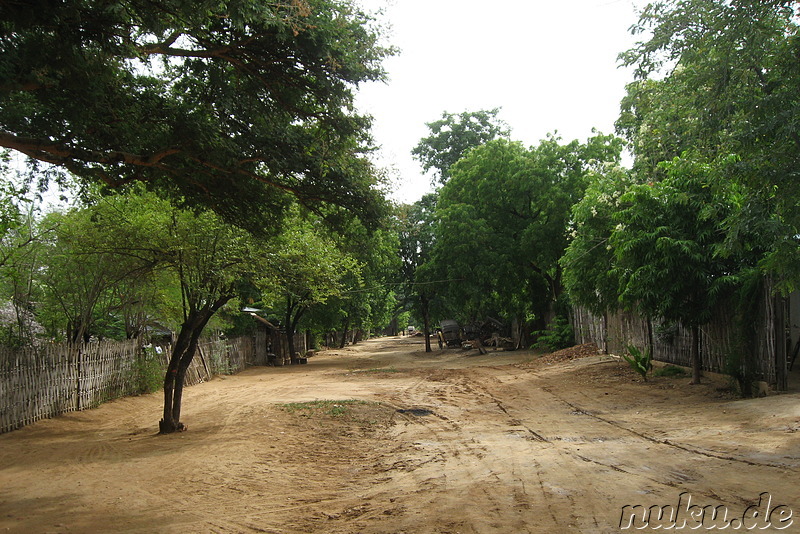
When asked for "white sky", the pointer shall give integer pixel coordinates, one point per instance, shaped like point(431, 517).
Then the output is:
point(551, 65)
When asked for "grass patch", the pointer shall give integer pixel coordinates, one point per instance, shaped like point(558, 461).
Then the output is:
point(336, 408)
point(377, 370)
point(670, 371)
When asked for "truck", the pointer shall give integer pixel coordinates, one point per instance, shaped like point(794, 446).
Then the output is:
point(451, 332)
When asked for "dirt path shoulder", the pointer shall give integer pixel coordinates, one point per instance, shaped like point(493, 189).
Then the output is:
point(382, 437)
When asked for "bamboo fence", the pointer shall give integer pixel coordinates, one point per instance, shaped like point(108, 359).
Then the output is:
point(671, 343)
point(41, 382)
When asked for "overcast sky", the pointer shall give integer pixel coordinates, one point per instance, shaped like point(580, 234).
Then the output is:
point(551, 65)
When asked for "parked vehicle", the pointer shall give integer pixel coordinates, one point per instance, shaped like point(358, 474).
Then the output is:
point(451, 332)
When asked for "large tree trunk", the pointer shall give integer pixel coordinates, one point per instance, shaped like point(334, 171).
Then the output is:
point(426, 322)
point(294, 311)
point(182, 354)
point(650, 341)
point(290, 345)
point(345, 327)
point(696, 371)
point(290, 325)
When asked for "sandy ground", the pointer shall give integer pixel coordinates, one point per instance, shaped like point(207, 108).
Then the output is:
point(448, 442)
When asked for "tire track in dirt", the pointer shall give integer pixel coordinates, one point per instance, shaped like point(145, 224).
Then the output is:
point(667, 468)
point(487, 455)
point(562, 482)
point(668, 442)
point(461, 444)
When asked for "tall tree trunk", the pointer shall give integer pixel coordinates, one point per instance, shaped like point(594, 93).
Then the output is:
point(290, 329)
point(182, 355)
point(345, 327)
point(290, 345)
point(294, 311)
point(696, 372)
point(312, 341)
point(168, 423)
point(426, 321)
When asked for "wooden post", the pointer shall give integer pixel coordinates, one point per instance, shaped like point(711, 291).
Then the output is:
point(781, 360)
point(78, 378)
point(203, 359)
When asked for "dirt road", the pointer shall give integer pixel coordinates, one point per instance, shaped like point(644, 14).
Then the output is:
point(404, 442)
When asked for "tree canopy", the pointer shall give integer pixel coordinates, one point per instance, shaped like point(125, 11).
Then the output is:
point(501, 224)
point(229, 105)
point(453, 135)
point(720, 79)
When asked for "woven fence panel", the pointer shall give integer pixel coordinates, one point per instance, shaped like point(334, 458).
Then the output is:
point(672, 343)
point(42, 382)
point(35, 384)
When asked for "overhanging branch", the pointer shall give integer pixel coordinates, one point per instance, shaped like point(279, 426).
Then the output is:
point(62, 154)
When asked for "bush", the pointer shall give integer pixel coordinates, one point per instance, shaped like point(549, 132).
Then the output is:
point(743, 373)
point(641, 362)
point(559, 335)
point(149, 371)
point(670, 371)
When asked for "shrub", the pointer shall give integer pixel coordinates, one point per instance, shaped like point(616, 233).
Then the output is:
point(149, 371)
point(559, 335)
point(670, 371)
point(641, 362)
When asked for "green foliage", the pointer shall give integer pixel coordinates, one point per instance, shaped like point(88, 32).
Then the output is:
point(588, 260)
point(670, 371)
point(501, 224)
point(559, 335)
point(711, 202)
point(124, 263)
point(728, 83)
point(420, 290)
point(641, 362)
point(23, 239)
point(233, 106)
point(403, 320)
point(666, 244)
point(148, 370)
point(452, 136)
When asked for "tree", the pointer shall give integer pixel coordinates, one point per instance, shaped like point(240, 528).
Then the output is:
point(21, 255)
point(588, 261)
point(210, 258)
point(367, 299)
point(502, 223)
point(303, 270)
point(416, 239)
point(83, 270)
point(667, 244)
point(229, 105)
point(114, 241)
point(453, 135)
point(729, 80)
point(657, 247)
